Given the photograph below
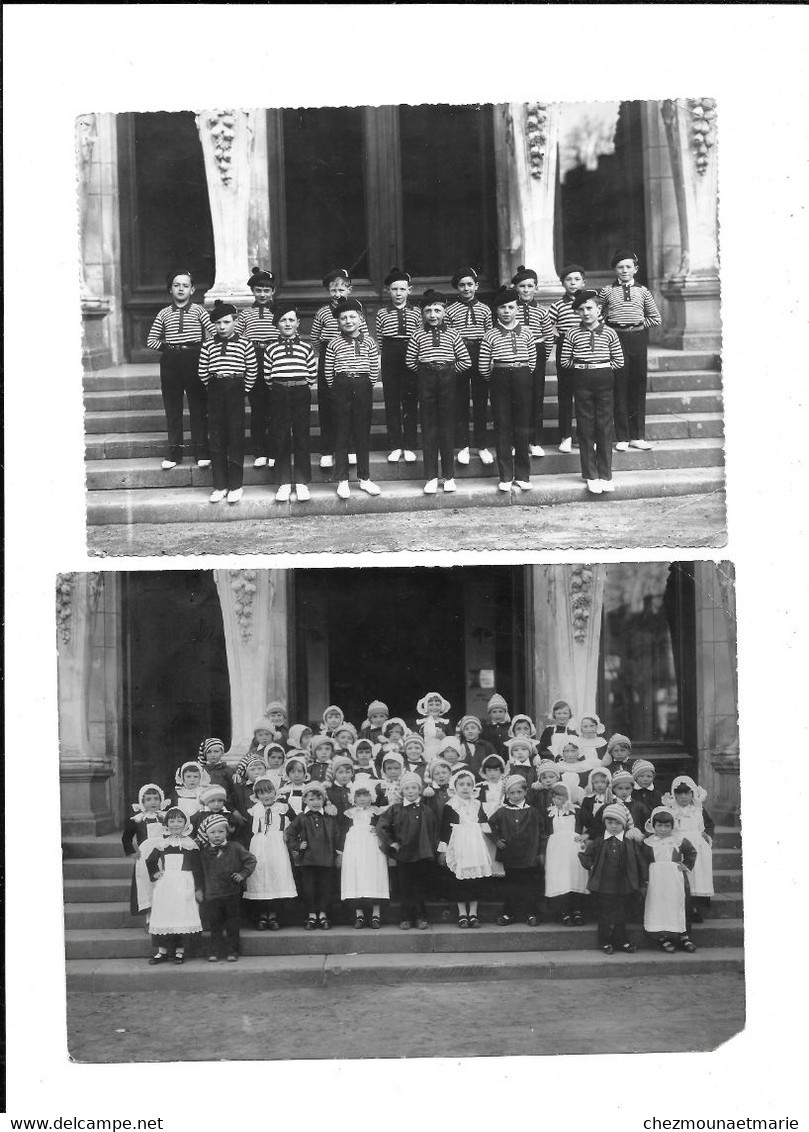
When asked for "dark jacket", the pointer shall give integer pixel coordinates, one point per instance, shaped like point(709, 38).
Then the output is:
point(633, 867)
point(340, 798)
point(546, 737)
point(477, 752)
point(135, 832)
point(451, 817)
point(218, 865)
point(412, 827)
point(496, 734)
point(191, 861)
point(520, 829)
point(315, 838)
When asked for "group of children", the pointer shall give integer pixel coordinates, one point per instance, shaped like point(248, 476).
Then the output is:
point(429, 361)
point(436, 811)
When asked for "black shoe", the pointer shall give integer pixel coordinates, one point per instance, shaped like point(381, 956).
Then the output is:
point(156, 959)
point(323, 924)
point(696, 917)
point(375, 922)
point(503, 921)
point(688, 945)
point(263, 923)
point(667, 946)
point(474, 922)
point(567, 920)
point(273, 925)
point(532, 921)
point(607, 948)
point(463, 921)
point(628, 948)
point(359, 920)
point(179, 960)
point(578, 920)
point(310, 924)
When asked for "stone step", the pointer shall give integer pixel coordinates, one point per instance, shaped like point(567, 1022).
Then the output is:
point(191, 505)
point(260, 974)
point(143, 472)
point(152, 419)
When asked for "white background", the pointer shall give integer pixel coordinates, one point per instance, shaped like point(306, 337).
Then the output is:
point(61, 61)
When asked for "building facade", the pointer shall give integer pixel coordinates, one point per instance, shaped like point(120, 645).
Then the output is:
point(426, 187)
point(150, 663)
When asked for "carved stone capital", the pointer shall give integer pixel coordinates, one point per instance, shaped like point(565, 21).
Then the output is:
point(703, 130)
point(536, 130)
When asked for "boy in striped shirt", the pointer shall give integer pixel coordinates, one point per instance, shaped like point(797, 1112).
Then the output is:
point(351, 370)
point(508, 358)
point(290, 372)
point(574, 279)
point(593, 352)
point(257, 326)
point(472, 319)
point(227, 366)
point(325, 328)
point(178, 332)
point(394, 325)
point(630, 310)
point(436, 353)
point(538, 320)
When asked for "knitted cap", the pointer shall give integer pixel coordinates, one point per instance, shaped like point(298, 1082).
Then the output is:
point(497, 701)
point(621, 254)
point(216, 821)
point(505, 295)
point(511, 781)
point(545, 766)
point(640, 766)
point(335, 273)
point(284, 309)
point(392, 757)
point(568, 269)
point(431, 297)
point(376, 706)
point(520, 743)
point(347, 304)
point(396, 275)
point(260, 278)
point(222, 310)
point(617, 812)
point(615, 739)
point(468, 719)
point(276, 705)
point(211, 792)
point(330, 708)
point(315, 787)
point(581, 297)
point(515, 719)
point(349, 727)
point(208, 745)
point(408, 778)
point(522, 273)
point(341, 760)
point(622, 776)
point(411, 740)
point(320, 741)
point(463, 273)
point(298, 757)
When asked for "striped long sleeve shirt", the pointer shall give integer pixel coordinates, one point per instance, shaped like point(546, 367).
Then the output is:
point(397, 322)
point(179, 326)
point(325, 326)
point(352, 355)
point(256, 323)
point(628, 305)
point(506, 345)
point(290, 359)
point(538, 321)
point(228, 357)
point(471, 320)
point(563, 316)
point(597, 347)
point(438, 346)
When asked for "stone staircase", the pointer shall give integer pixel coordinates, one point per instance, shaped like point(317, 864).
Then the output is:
point(106, 947)
point(125, 442)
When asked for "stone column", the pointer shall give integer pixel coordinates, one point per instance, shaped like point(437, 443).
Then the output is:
point(84, 774)
point(227, 138)
point(717, 688)
point(94, 307)
point(535, 131)
point(692, 292)
point(566, 604)
point(254, 612)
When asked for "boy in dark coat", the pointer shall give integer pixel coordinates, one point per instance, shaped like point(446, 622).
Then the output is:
point(315, 840)
point(516, 829)
point(495, 727)
point(408, 830)
point(225, 866)
point(618, 872)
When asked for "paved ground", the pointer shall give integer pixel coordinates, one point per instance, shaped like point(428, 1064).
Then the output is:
point(686, 520)
point(643, 1015)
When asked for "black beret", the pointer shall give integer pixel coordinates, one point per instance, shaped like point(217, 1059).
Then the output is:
point(622, 253)
point(568, 269)
point(284, 308)
point(261, 278)
point(431, 297)
point(343, 305)
point(522, 273)
point(464, 273)
point(505, 295)
point(335, 273)
point(396, 275)
point(172, 275)
point(222, 310)
point(581, 297)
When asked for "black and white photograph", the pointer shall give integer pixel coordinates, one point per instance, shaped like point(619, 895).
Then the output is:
point(531, 355)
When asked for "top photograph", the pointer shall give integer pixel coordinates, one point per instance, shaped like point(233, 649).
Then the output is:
point(401, 328)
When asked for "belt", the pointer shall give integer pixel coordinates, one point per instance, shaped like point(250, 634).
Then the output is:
point(352, 373)
point(592, 365)
point(229, 376)
point(627, 328)
point(290, 383)
point(183, 345)
point(435, 366)
point(510, 365)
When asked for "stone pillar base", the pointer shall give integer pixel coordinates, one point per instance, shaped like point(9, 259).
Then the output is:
point(237, 294)
point(85, 793)
point(723, 802)
point(96, 351)
point(693, 317)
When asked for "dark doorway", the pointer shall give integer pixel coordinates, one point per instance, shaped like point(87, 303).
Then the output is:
point(177, 683)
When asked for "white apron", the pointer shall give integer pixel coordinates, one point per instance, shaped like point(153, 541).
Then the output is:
point(665, 899)
point(688, 822)
point(272, 878)
point(174, 906)
point(563, 870)
point(364, 872)
point(143, 884)
point(468, 856)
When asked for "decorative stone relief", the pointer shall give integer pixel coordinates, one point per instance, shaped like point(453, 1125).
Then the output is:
point(64, 605)
point(536, 128)
point(243, 584)
point(86, 135)
point(703, 129)
point(581, 600)
point(222, 127)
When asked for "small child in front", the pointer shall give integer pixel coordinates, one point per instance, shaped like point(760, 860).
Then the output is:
point(562, 837)
point(515, 828)
point(176, 869)
point(407, 831)
point(142, 832)
point(693, 821)
point(225, 867)
point(618, 871)
point(462, 846)
point(364, 872)
point(272, 882)
point(290, 374)
point(316, 844)
point(670, 858)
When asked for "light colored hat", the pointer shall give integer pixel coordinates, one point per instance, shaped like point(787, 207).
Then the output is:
point(211, 792)
point(560, 704)
point(276, 747)
point(296, 733)
point(373, 747)
point(651, 819)
point(258, 760)
point(349, 727)
point(617, 812)
point(464, 772)
point(341, 760)
point(615, 739)
point(215, 821)
point(598, 770)
point(263, 724)
point(546, 765)
point(377, 705)
point(204, 777)
point(333, 707)
point(409, 777)
point(265, 778)
point(149, 788)
point(468, 719)
point(640, 766)
point(520, 741)
point(699, 792)
point(319, 741)
point(392, 757)
point(622, 776)
point(206, 746)
point(515, 719)
point(394, 720)
point(571, 741)
point(592, 715)
point(296, 757)
point(275, 705)
point(511, 781)
point(316, 787)
point(493, 758)
point(413, 737)
point(497, 701)
point(437, 762)
point(421, 706)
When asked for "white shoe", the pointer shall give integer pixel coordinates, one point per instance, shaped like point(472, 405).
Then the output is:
point(643, 445)
point(270, 462)
point(395, 456)
point(449, 485)
point(622, 446)
point(283, 493)
point(431, 487)
point(536, 450)
point(203, 463)
point(369, 487)
point(302, 492)
point(463, 456)
point(513, 452)
point(505, 486)
point(410, 457)
point(607, 485)
point(352, 458)
point(566, 445)
point(217, 496)
point(343, 489)
point(167, 465)
point(594, 487)
point(485, 456)
point(523, 485)
point(235, 495)
point(325, 461)
point(260, 462)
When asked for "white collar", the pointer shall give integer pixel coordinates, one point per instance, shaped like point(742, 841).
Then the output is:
point(309, 810)
point(617, 836)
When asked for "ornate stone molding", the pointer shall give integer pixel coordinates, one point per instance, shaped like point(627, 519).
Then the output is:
point(536, 130)
point(243, 584)
point(64, 605)
point(581, 601)
point(703, 130)
point(86, 137)
point(221, 125)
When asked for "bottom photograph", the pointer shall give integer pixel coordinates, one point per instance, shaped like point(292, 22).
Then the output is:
point(400, 812)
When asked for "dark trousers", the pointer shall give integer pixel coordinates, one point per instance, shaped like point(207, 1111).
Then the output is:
point(325, 406)
point(538, 396)
point(401, 395)
point(437, 407)
point(511, 391)
point(352, 398)
point(613, 911)
point(317, 887)
point(172, 942)
point(223, 922)
point(259, 398)
point(521, 892)
point(179, 374)
point(593, 390)
point(564, 394)
point(289, 413)
point(630, 387)
point(414, 882)
point(471, 378)
point(226, 412)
